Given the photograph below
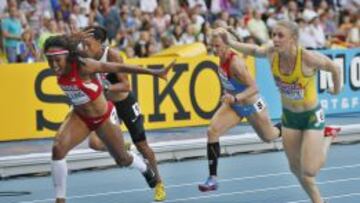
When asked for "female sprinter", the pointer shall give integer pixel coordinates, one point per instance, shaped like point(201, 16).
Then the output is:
point(127, 108)
point(76, 76)
point(241, 100)
point(294, 70)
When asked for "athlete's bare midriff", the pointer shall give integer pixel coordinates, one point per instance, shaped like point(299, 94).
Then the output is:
point(95, 108)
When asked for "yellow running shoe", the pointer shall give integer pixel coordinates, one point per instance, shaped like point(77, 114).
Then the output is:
point(159, 192)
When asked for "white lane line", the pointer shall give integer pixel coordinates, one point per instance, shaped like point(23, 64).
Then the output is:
point(189, 184)
point(330, 197)
point(257, 190)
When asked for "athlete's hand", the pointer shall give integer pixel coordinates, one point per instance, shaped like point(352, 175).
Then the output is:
point(228, 98)
point(162, 73)
point(81, 35)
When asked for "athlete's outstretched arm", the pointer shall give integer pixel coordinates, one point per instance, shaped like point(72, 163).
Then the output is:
point(248, 49)
point(94, 66)
point(317, 60)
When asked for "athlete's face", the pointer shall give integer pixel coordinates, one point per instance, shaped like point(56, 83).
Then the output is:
point(92, 47)
point(282, 38)
point(218, 45)
point(58, 63)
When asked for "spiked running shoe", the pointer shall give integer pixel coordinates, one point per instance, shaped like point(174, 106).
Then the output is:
point(331, 131)
point(209, 185)
point(159, 192)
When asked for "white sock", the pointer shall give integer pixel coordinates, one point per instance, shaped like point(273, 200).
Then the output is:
point(138, 162)
point(59, 173)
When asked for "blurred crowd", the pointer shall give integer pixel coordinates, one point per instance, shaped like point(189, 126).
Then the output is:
point(140, 28)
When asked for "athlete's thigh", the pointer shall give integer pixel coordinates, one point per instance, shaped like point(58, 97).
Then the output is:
point(112, 137)
point(312, 151)
point(224, 119)
point(95, 142)
point(71, 132)
point(292, 141)
point(262, 125)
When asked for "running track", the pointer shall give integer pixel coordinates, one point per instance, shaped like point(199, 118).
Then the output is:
point(244, 178)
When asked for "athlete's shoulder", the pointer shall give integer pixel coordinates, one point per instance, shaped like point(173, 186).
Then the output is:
point(114, 55)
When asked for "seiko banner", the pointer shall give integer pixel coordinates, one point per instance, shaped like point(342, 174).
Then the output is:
point(33, 106)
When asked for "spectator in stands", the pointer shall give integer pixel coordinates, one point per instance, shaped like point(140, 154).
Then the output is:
point(205, 34)
point(177, 35)
point(148, 6)
point(128, 22)
point(160, 21)
point(353, 36)
point(169, 6)
point(306, 34)
point(28, 50)
point(78, 15)
point(241, 29)
point(258, 28)
point(50, 29)
point(129, 52)
point(34, 12)
point(141, 46)
point(5, 12)
point(62, 10)
point(109, 18)
point(189, 36)
point(11, 30)
point(199, 3)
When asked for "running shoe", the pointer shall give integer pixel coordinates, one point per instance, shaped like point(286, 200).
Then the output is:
point(331, 131)
point(209, 185)
point(159, 192)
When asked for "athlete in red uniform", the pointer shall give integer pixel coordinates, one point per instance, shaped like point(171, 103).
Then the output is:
point(91, 111)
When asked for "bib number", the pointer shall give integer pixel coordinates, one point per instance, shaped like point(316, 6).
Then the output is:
point(320, 117)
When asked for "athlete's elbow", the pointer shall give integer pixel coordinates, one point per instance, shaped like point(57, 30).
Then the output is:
point(254, 91)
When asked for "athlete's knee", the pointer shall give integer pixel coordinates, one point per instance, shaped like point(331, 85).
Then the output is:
point(309, 172)
point(213, 132)
point(124, 160)
point(59, 150)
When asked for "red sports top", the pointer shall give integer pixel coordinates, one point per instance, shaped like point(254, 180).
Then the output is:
point(77, 90)
point(225, 65)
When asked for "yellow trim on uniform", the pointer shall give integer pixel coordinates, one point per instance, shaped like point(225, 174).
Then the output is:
point(296, 88)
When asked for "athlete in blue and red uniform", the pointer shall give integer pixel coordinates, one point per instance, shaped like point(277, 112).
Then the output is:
point(240, 100)
point(91, 111)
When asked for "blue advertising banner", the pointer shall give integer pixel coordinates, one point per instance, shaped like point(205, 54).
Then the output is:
point(348, 101)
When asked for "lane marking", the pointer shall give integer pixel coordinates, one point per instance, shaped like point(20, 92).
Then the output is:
point(191, 184)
